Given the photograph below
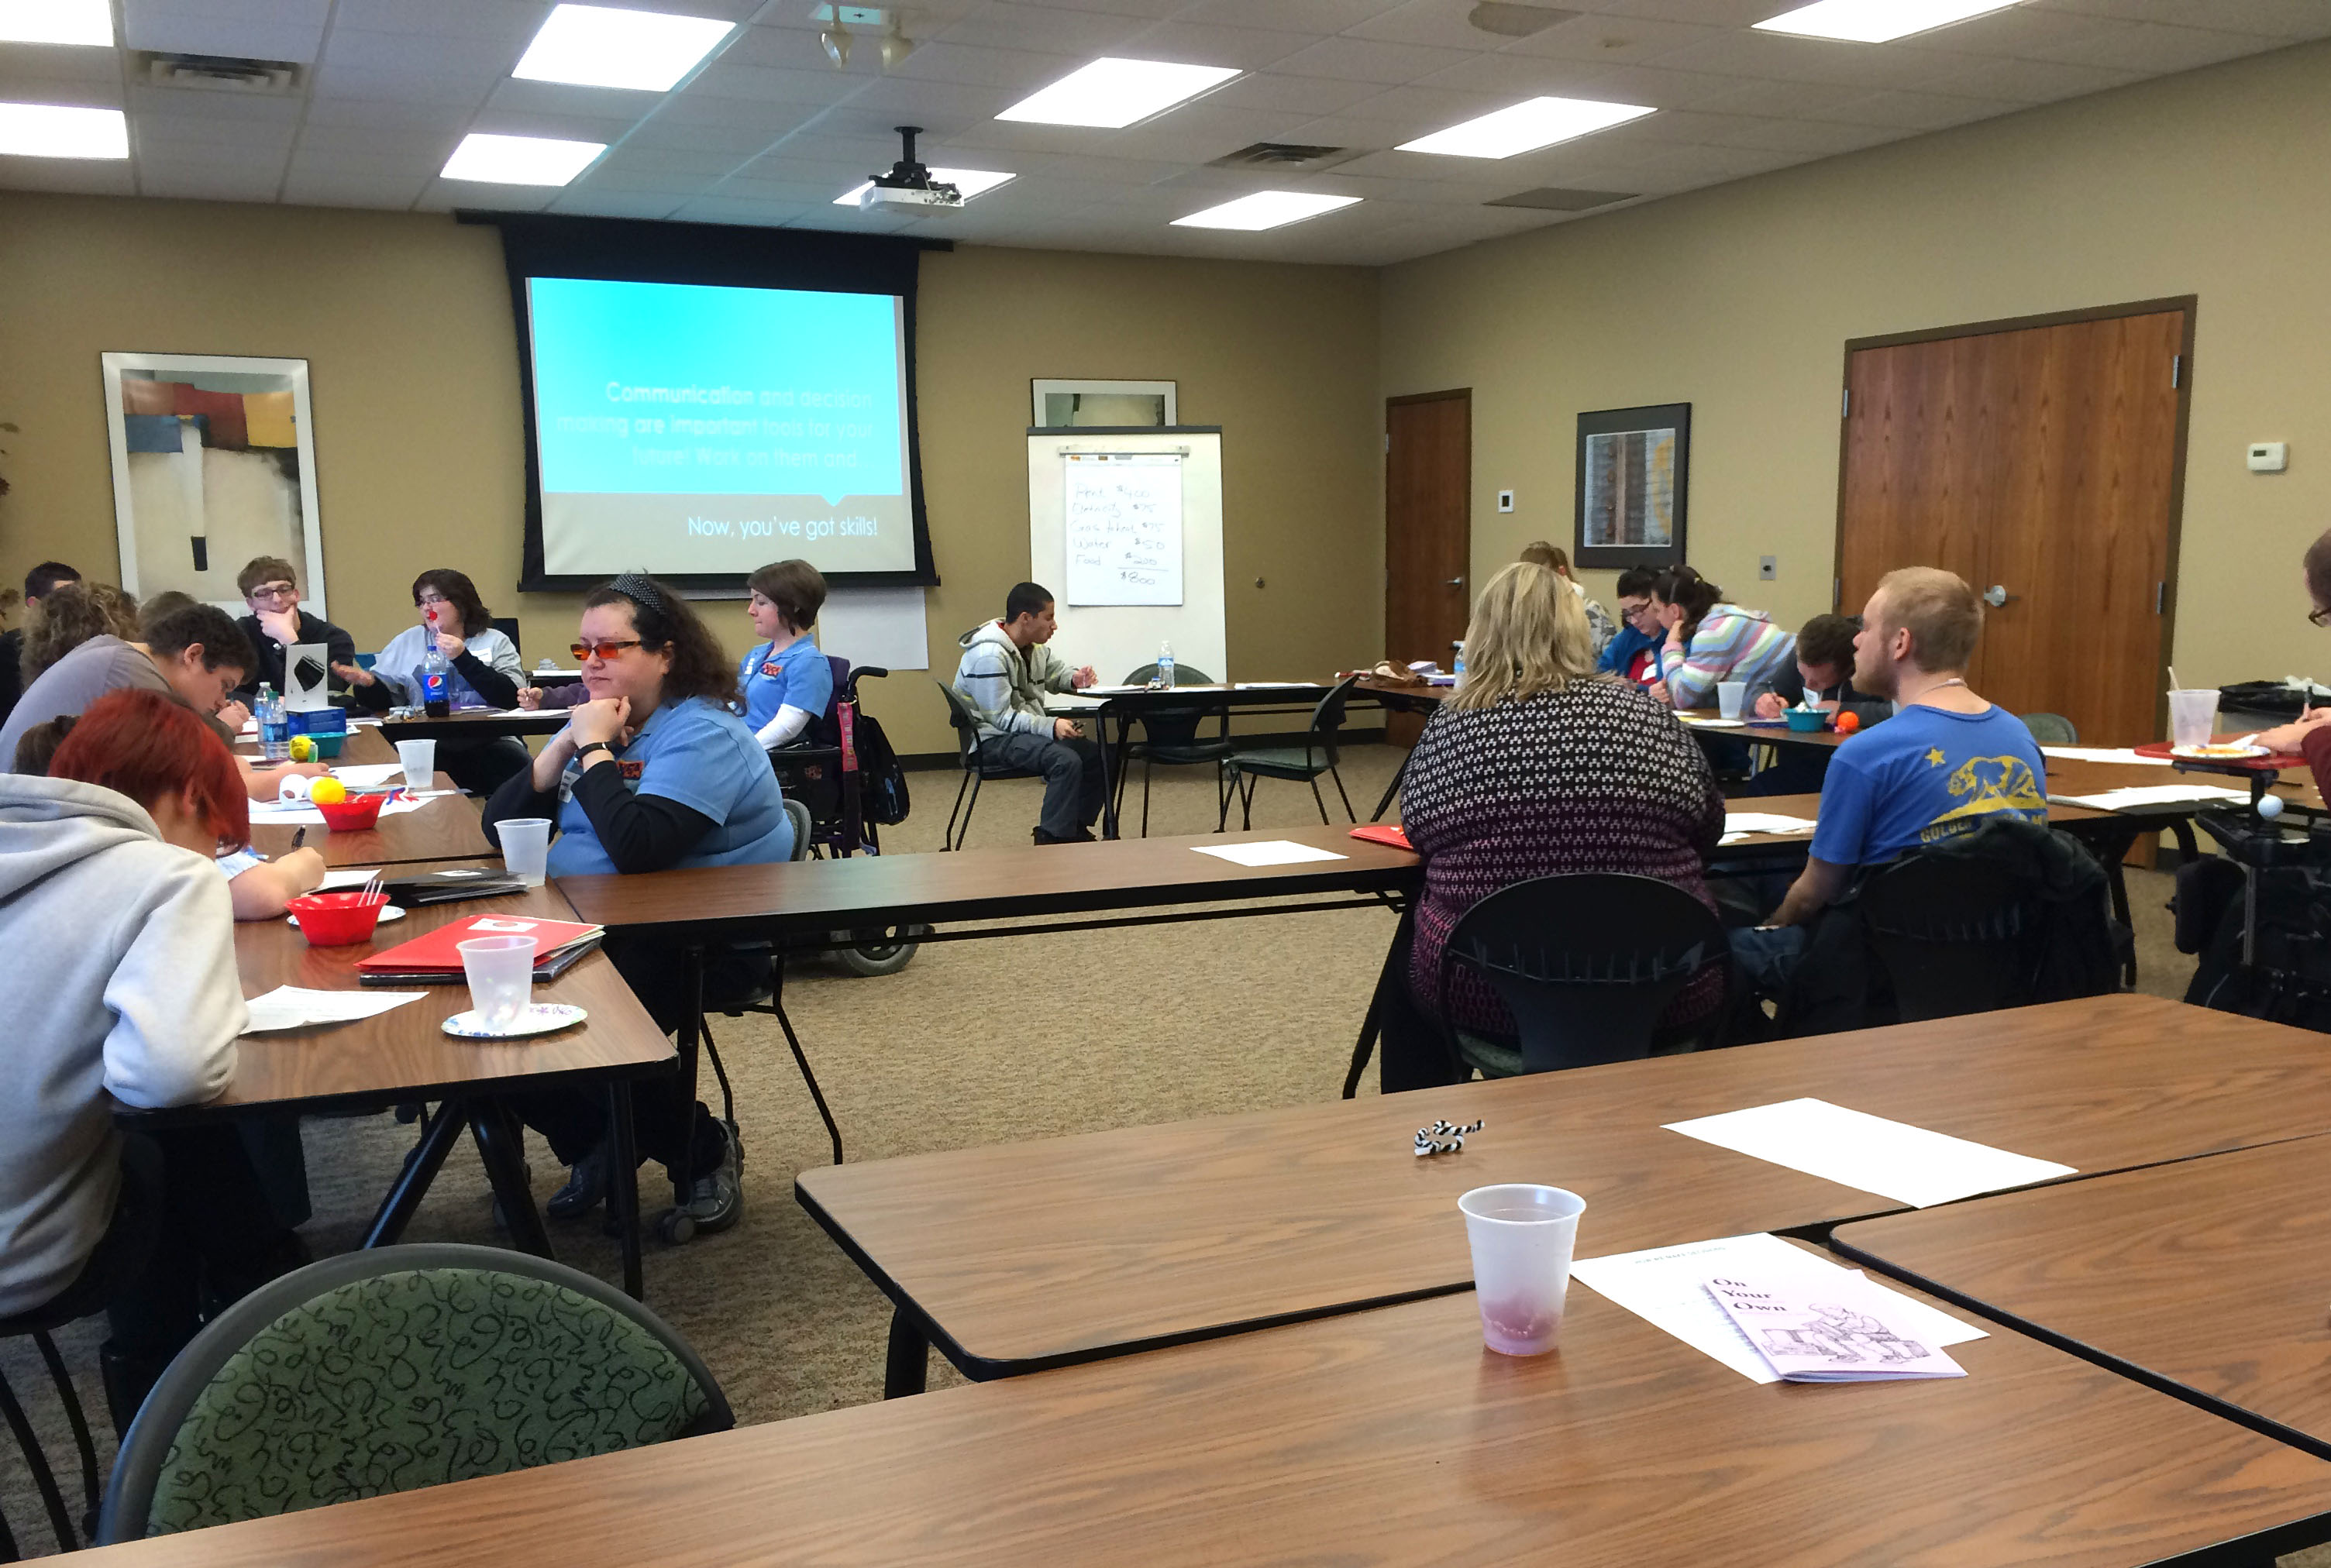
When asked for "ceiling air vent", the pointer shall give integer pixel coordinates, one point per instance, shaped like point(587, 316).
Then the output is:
point(219, 73)
point(1282, 155)
point(1555, 199)
point(1510, 21)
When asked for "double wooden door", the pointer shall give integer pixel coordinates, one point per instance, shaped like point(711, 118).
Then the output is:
point(2044, 465)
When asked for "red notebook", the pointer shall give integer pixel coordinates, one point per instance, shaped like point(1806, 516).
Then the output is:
point(438, 952)
point(1383, 833)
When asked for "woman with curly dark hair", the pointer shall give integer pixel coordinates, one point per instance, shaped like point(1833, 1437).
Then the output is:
point(653, 772)
point(484, 671)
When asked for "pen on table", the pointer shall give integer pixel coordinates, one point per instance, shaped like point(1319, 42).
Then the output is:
point(298, 838)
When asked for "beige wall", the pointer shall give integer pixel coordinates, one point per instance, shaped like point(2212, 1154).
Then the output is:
point(405, 321)
point(1739, 300)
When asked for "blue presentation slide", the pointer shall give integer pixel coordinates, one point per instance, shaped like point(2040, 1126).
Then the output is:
point(689, 428)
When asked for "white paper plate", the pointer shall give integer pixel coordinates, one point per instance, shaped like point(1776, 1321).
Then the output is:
point(2217, 752)
point(539, 1018)
point(388, 912)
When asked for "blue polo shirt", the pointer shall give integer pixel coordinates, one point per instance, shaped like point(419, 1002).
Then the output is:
point(794, 676)
point(700, 755)
point(1924, 774)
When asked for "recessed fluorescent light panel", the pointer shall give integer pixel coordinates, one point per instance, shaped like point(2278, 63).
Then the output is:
point(1112, 93)
point(1878, 21)
point(1264, 210)
point(520, 160)
point(970, 182)
point(49, 130)
point(56, 21)
point(1526, 128)
point(600, 47)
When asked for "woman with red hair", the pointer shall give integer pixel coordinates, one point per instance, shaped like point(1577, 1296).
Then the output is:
point(121, 987)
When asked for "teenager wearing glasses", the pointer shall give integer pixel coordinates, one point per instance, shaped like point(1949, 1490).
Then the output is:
point(276, 622)
point(653, 772)
point(487, 672)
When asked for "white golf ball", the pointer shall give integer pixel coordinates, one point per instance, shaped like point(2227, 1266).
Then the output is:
point(2269, 807)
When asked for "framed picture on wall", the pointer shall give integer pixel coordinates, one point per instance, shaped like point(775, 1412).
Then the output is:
point(1634, 473)
point(214, 464)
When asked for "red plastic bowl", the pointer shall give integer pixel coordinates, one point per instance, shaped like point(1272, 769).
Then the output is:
point(337, 919)
point(353, 814)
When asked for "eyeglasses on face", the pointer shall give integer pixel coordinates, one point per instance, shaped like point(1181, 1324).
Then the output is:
point(274, 591)
point(601, 650)
point(433, 599)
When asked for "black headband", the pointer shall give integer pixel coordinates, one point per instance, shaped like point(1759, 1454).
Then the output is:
point(641, 589)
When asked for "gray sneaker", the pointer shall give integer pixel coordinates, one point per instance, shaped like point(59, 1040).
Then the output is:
point(716, 1200)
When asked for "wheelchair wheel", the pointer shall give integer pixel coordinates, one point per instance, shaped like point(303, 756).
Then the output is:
point(883, 952)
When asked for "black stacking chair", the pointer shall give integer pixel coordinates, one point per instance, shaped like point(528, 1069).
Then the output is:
point(1169, 736)
point(1953, 936)
point(976, 766)
point(1586, 963)
point(1301, 763)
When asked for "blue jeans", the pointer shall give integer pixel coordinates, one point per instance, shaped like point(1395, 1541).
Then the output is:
point(1767, 957)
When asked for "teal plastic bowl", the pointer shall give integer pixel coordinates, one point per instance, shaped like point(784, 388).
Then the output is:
point(1805, 720)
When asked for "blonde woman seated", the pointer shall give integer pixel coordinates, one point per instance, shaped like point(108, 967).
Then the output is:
point(1538, 766)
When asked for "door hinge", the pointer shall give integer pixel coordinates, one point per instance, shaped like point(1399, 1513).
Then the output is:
point(1845, 407)
point(2176, 370)
point(2160, 595)
point(1836, 591)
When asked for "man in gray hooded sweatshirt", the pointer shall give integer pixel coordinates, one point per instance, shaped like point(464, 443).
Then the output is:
point(1004, 674)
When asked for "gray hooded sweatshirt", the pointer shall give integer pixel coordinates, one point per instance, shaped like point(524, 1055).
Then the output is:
point(1006, 685)
point(120, 985)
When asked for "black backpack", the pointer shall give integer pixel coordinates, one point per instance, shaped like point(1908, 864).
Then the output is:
point(881, 782)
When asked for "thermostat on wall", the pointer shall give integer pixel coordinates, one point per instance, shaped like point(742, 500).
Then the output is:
point(2269, 457)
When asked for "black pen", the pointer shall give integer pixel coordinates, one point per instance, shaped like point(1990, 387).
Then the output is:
point(298, 838)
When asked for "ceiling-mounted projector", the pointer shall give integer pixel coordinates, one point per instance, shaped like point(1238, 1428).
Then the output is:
point(909, 190)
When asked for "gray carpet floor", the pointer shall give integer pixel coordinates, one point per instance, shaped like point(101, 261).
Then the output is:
point(973, 1043)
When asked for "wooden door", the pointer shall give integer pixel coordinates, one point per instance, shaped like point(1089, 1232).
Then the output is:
point(1428, 523)
point(2044, 463)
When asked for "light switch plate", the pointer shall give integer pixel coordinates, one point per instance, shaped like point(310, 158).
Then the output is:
point(1767, 567)
point(1505, 501)
point(2269, 456)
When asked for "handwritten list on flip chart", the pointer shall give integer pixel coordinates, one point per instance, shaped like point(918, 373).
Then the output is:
point(1122, 519)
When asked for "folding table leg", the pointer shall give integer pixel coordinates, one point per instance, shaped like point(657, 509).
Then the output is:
point(411, 1184)
point(501, 1151)
point(624, 1184)
point(691, 1021)
point(907, 1368)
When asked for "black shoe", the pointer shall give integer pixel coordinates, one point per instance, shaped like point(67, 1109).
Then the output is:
point(129, 1379)
point(1042, 837)
point(1084, 836)
point(585, 1188)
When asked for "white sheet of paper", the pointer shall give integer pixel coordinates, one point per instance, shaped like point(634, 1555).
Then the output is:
point(2103, 753)
point(299, 813)
point(1668, 1287)
point(1713, 723)
point(370, 774)
point(1103, 690)
point(1764, 822)
point(1909, 1163)
point(353, 876)
point(2155, 795)
point(1269, 852)
point(293, 1007)
point(1270, 685)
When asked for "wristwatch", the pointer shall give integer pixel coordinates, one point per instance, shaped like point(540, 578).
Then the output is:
point(588, 746)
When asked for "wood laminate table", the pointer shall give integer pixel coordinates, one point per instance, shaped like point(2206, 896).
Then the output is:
point(2207, 1277)
point(1025, 1256)
point(446, 827)
point(1385, 1438)
point(475, 725)
point(404, 1055)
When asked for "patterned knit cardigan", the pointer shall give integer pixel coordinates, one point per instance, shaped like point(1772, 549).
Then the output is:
point(1598, 777)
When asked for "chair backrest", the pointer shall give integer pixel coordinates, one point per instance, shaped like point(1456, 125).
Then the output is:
point(963, 720)
point(804, 827)
point(1586, 963)
point(400, 1367)
point(1172, 726)
point(2051, 729)
point(508, 626)
point(1327, 717)
point(1955, 935)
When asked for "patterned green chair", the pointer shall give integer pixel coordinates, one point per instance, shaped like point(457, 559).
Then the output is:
point(398, 1368)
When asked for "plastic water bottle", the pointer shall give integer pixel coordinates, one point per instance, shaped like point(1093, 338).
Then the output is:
point(1457, 665)
point(1166, 665)
point(436, 682)
point(275, 726)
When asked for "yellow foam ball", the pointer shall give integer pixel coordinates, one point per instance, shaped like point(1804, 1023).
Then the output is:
point(328, 792)
point(302, 749)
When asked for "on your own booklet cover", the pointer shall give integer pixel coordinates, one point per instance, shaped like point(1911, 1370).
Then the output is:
point(1832, 1331)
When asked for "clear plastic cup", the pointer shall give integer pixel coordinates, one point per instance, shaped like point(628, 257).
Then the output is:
point(526, 848)
point(420, 760)
point(501, 971)
point(1522, 1236)
point(2192, 716)
point(1730, 695)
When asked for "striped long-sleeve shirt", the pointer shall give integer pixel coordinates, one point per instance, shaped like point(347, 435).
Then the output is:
point(1731, 644)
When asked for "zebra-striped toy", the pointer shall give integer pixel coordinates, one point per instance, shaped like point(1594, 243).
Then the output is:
point(1444, 1137)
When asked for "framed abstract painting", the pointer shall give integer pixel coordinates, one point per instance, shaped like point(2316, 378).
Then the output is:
point(1633, 480)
